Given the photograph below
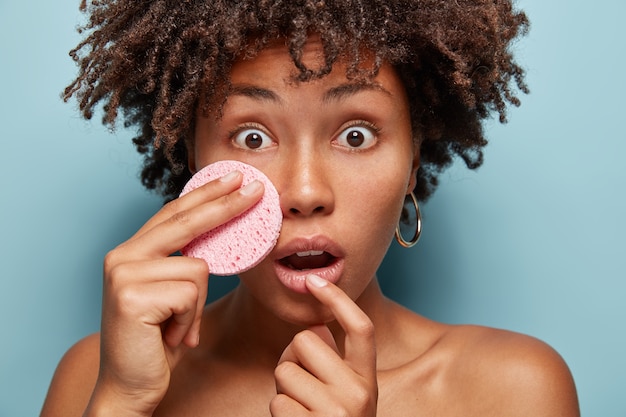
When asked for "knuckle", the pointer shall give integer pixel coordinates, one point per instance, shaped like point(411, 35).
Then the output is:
point(121, 290)
point(111, 259)
point(115, 275)
point(127, 299)
point(278, 404)
point(171, 207)
point(180, 218)
point(364, 328)
point(234, 202)
point(199, 268)
point(190, 290)
point(229, 201)
point(361, 396)
point(186, 302)
point(302, 339)
point(284, 370)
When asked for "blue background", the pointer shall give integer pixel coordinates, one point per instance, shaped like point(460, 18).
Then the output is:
point(532, 242)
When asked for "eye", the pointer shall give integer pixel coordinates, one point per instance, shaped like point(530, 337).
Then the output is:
point(358, 136)
point(252, 138)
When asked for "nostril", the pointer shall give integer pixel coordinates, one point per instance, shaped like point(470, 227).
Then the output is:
point(318, 209)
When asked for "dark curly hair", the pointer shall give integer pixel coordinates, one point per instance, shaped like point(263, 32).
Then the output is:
point(155, 60)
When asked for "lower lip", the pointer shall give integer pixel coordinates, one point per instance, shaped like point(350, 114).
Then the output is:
point(295, 280)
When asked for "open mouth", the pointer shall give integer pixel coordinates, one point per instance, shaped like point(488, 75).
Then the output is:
point(307, 260)
point(300, 257)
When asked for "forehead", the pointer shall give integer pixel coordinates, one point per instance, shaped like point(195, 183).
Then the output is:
point(274, 67)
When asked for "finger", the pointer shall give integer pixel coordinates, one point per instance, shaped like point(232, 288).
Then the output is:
point(317, 354)
point(323, 332)
point(205, 193)
point(300, 385)
point(284, 406)
point(182, 227)
point(192, 338)
point(359, 347)
point(170, 269)
point(149, 306)
point(320, 379)
point(183, 312)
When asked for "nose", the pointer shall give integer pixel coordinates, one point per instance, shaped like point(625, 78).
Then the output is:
point(305, 188)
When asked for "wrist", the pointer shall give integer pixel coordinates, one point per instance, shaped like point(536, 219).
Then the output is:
point(105, 403)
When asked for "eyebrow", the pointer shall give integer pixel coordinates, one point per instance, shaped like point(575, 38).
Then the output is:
point(338, 93)
point(254, 92)
point(343, 91)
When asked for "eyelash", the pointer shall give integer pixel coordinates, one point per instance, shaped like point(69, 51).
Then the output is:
point(360, 124)
point(363, 123)
point(354, 123)
point(232, 133)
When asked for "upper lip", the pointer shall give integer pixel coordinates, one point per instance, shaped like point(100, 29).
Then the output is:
point(315, 243)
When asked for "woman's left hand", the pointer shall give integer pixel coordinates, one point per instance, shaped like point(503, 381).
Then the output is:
point(314, 379)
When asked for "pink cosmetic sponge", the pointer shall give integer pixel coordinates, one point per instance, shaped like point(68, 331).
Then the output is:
point(245, 240)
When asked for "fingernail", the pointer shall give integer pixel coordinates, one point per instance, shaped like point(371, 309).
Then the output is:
point(251, 188)
point(230, 176)
point(316, 281)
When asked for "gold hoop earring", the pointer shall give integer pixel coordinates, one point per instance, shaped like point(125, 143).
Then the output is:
point(418, 226)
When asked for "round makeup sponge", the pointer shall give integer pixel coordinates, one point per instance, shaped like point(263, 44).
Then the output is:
point(245, 240)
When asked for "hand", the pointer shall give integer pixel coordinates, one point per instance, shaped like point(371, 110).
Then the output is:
point(314, 379)
point(153, 302)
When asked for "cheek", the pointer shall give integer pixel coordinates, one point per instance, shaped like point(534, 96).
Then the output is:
point(376, 203)
point(387, 181)
point(386, 206)
point(368, 229)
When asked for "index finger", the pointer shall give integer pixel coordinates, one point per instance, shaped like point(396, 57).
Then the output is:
point(173, 233)
point(207, 192)
point(360, 343)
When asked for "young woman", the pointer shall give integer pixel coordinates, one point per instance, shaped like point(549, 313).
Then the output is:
point(348, 107)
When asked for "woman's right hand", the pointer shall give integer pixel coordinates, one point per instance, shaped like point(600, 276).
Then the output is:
point(153, 302)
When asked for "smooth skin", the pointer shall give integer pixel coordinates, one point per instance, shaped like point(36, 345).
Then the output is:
point(337, 348)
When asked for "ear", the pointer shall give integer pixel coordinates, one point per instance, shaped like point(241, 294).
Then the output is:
point(191, 160)
point(191, 152)
point(414, 167)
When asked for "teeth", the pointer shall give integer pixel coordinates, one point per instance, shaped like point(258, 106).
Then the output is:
point(309, 253)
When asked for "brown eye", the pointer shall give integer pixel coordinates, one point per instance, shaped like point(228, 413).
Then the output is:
point(252, 139)
point(357, 137)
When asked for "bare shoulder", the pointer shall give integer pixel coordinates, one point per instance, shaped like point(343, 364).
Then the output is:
point(512, 374)
point(74, 379)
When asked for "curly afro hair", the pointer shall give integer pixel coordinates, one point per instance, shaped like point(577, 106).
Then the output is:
point(155, 60)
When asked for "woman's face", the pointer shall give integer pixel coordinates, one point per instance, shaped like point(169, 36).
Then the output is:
point(341, 156)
